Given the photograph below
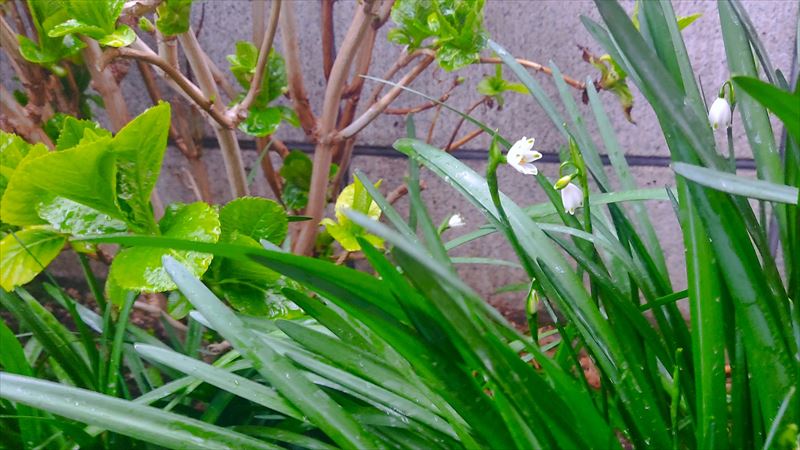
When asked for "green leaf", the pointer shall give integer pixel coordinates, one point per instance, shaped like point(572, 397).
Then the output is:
point(296, 174)
point(74, 131)
point(733, 184)
point(13, 151)
point(48, 50)
point(354, 197)
point(140, 269)
point(25, 253)
point(174, 17)
point(685, 21)
point(261, 122)
point(86, 175)
point(139, 148)
point(455, 26)
point(121, 37)
point(95, 19)
point(124, 417)
point(221, 378)
point(258, 218)
point(69, 217)
point(784, 104)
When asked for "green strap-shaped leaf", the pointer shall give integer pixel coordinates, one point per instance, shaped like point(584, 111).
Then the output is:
point(124, 417)
point(320, 409)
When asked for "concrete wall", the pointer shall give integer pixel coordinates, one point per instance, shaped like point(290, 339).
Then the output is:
point(539, 30)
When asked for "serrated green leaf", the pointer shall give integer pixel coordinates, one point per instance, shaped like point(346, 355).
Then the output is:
point(74, 26)
point(140, 269)
point(174, 17)
point(48, 50)
point(261, 122)
point(257, 218)
point(73, 218)
point(121, 37)
point(25, 253)
point(139, 148)
point(95, 19)
point(13, 151)
point(86, 175)
point(454, 26)
point(296, 174)
point(73, 131)
point(354, 197)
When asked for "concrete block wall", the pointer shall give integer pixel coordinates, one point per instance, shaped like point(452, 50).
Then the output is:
point(538, 30)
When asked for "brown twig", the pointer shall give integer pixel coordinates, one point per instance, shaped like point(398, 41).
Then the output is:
point(226, 136)
point(328, 44)
point(180, 134)
point(461, 142)
point(104, 83)
point(239, 112)
point(461, 122)
point(294, 74)
point(425, 106)
point(323, 152)
point(403, 60)
point(18, 118)
point(537, 67)
point(429, 137)
point(376, 109)
point(273, 180)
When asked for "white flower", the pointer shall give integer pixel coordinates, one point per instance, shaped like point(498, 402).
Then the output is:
point(719, 115)
point(571, 197)
point(522, 155)
point(456, 221)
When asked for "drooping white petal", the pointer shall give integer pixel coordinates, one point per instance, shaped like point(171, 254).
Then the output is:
point(572, 198)
point(719, 115)
point(522, 155)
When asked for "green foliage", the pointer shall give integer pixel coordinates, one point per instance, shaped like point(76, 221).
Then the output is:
point(495, 86)
point(296, 174)
point(25, 253)
point(140, 269)
point(174, 17)
point(612, 78)
point(73, 132)
point(455, 27)
point(262, 119)
point(785, 105)
point(139, 149)
point(14, 151)
point(345, 231)
point(48, 51)
point(95, 19)
point(246, 286)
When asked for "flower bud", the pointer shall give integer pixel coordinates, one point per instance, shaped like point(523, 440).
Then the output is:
point(562, 182)
point(456, 221)
point(719, 115)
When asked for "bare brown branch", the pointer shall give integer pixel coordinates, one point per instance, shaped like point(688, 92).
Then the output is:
point(294, 74)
